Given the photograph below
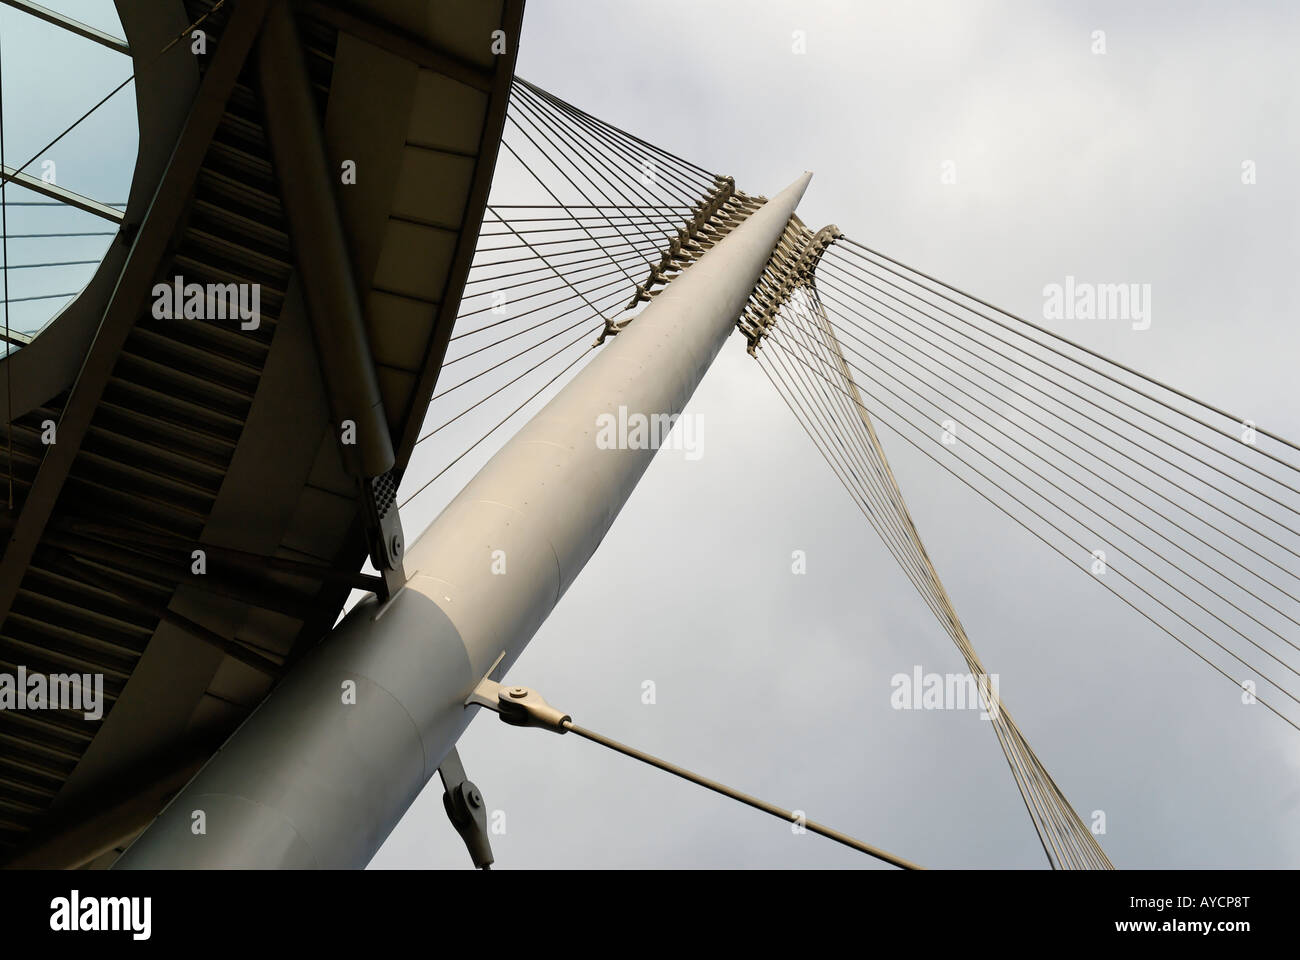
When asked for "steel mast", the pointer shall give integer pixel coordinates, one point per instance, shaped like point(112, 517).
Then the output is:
point(327, 765)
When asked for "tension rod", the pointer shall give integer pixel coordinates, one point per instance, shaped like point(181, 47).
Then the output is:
point(522, 707)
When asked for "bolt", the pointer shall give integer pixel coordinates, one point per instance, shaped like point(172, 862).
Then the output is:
point(395, 545)
point(475, 798)
point(518, 692)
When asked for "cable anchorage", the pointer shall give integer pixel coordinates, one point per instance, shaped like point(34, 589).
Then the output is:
point(793, 264)
point(722, 210)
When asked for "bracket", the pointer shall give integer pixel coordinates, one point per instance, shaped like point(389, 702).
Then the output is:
point(384, 526)
point(518, 706)
point(466, 810)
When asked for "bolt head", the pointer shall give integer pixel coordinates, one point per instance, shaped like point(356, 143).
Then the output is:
point(518, 692)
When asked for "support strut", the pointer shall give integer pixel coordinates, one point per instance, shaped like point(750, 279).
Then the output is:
point(307, 186)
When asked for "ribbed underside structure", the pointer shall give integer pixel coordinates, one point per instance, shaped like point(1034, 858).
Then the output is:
point(181, 434)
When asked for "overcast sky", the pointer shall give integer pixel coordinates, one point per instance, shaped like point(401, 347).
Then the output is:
point(1123, 167)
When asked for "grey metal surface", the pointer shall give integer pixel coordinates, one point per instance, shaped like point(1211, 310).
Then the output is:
point(311, 780)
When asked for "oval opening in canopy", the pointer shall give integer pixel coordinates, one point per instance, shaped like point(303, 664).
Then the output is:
point(70, 137)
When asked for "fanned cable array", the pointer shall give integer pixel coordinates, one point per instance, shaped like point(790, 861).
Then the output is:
point(613, 219)
point(1184, 511)
point(802, 357)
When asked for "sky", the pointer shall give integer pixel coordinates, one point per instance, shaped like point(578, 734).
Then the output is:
point(1120, 167)
point(50, 78)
